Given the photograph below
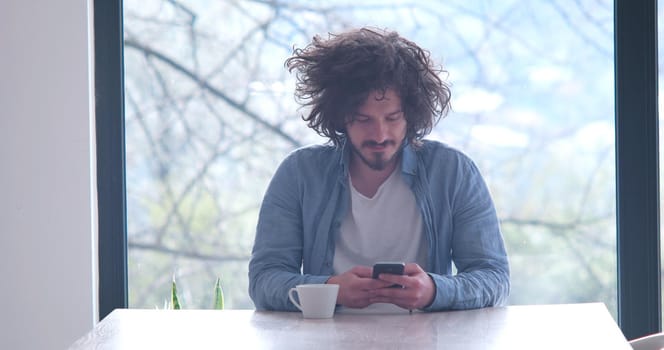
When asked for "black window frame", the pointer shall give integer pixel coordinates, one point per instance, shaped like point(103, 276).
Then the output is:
point(637, 167)
point(637, 163)
point(110, 143)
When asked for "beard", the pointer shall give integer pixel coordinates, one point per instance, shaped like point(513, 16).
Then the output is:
point(377, 160)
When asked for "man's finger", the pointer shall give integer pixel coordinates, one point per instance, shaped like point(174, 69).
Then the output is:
point(362, 271)
point(412, 269)
point(395, 279)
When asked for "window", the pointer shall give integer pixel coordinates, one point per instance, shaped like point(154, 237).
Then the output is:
point(536, 115)
point(210, 113)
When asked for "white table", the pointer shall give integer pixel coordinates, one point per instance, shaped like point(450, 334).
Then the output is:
point(566, 326)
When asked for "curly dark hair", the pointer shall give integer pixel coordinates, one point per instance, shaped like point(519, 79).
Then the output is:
point(335, 75)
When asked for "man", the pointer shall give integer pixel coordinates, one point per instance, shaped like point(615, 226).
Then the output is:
point(377, 191)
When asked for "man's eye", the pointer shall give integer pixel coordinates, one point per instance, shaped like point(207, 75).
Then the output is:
point(394, 117)
point(361, 119)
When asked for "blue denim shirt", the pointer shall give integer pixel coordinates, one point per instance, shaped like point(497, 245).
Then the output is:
point(308, 198)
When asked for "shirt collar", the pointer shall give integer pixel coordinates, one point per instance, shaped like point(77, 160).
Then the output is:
point(409, 160)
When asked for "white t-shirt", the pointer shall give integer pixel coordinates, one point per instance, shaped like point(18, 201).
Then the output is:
point(386, 227)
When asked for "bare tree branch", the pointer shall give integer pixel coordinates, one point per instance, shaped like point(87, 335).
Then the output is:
point(207, 86)
point(187, 254)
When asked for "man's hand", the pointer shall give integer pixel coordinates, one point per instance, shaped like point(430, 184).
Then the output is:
point(356, 286)
point(418, 289)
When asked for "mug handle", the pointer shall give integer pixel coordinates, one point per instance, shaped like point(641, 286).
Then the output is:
point(292, 299)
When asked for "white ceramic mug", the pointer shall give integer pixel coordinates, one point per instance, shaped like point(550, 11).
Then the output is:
point(316, 300)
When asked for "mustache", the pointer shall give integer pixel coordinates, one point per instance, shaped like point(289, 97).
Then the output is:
point(374, 143)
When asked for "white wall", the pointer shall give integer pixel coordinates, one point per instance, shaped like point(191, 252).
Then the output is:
point(47, 216)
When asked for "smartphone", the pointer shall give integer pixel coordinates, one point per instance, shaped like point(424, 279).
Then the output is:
point(395, 268)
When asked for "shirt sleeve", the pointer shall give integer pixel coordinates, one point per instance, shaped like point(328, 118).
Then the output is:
point(276, 259)
point(478, 250)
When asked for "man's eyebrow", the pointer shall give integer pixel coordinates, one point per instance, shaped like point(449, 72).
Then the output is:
point(368, 116)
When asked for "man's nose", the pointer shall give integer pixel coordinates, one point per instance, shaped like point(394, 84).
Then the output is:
point(379, 131)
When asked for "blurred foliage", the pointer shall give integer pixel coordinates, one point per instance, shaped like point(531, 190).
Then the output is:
point(210, 113)
point(217, 302)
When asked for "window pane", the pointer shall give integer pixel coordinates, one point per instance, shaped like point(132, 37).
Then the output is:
point(210, 114)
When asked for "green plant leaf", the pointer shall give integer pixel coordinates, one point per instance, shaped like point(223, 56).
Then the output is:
point(175, 303)
point(218, 295)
